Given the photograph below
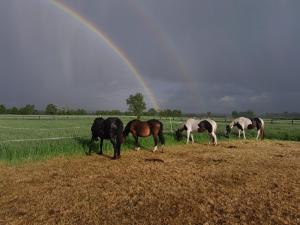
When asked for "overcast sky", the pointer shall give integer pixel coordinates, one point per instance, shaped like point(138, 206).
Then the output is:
point(195, 55)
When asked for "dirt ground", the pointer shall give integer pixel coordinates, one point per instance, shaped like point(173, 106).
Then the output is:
point(234, 183)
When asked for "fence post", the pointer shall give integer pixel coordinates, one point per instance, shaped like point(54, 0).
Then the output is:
point(171, 125)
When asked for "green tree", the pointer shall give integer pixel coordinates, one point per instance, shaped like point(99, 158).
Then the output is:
point(235, 114)
point(209, 114)
point(2, 109)
point(13, 110)
point(176, 113)
point(136, 104)
point(81, 112)
point(248, 114)
point(152, 112)
point(51, 109)
point(27, 110)
point(168, 113)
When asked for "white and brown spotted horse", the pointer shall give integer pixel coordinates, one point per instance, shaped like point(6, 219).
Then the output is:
point(194, 126)
point(243, 123)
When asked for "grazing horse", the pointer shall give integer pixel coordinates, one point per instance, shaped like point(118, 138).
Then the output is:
point(110, 128)
point(192, 125)
point(144, 129)
point(243, 123)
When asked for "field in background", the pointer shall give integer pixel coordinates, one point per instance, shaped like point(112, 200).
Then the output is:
point(39, 137)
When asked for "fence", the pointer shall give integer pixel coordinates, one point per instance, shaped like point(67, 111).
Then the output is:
point(47, 127)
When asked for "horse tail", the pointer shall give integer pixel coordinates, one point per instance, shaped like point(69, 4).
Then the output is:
point(160, 134)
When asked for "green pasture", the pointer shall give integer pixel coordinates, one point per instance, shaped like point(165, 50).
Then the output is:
point(28, 138)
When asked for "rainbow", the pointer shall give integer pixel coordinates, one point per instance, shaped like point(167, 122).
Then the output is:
point(164, 39)
point(92, 27)
point(167, 43)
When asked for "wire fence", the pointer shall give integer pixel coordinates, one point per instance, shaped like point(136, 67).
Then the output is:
point(56, 127)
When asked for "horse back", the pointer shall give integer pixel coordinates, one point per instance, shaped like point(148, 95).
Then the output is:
point(113, 126)
point(145, 128)
point(108, 128)
point(257, 122)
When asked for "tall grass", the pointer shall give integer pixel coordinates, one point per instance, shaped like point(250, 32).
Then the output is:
point(79, 130)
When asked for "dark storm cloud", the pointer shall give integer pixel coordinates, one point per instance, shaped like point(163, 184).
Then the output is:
point(237, 55)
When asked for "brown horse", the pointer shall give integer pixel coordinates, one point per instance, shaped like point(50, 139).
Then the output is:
point(144, 129)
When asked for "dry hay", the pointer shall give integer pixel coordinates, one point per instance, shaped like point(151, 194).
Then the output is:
point(233, 183)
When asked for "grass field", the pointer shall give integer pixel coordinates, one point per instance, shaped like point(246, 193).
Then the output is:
point(27, 138)
point(236, 182)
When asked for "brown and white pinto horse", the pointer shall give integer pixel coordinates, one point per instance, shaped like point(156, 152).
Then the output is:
point(144, 129)
point(192, 125)
point(243, 124)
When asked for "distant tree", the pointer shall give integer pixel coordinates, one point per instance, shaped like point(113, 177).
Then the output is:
point(169, 113)
point(209, 114)
point(51, 109)
point(162, 113)
point(27, 110)
point(249, 114)
point(136, 104)
point(13, 110)
point(177, 113)
point(2, 109)
point(152, 112)
point(235, 114)
point(115, 112)
point(99, 113)
point(80, 112)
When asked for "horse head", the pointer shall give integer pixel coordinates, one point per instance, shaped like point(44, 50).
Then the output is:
point(178, 135)
point(228, 130)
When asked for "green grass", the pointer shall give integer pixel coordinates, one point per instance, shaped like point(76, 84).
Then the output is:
point(77, 129)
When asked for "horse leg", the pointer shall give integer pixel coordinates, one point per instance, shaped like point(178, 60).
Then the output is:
point(258, 134)
point(137, 146)
point(119, 143)
point(210, 138)
point(239, 133)
point(214, 138)
point(113, 142)
point(192, 136)
point(188, 136)
point(119, 150)
point(244, 134)
point(155, 142)
point(101, 147)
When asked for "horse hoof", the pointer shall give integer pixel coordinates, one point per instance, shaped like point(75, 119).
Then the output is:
point(137, 149)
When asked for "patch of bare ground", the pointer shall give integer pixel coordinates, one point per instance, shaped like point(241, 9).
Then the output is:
point(235, 182)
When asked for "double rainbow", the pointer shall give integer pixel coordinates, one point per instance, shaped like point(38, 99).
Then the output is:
point(101, 34)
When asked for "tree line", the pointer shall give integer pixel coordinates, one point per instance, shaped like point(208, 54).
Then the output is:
point(137, 107)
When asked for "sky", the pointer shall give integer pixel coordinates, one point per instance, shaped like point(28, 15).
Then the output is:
point(194, 55)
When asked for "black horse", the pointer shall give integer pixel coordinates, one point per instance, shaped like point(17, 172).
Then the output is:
point(144, 129)
point(110, 128)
